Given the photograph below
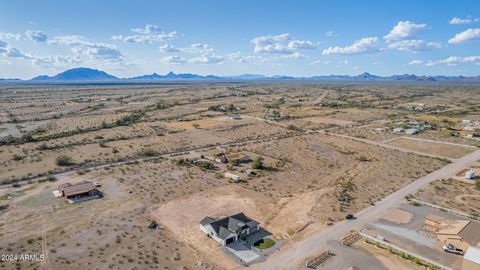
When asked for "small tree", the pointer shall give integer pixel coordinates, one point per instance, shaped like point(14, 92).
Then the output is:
point(258, 162)
point(196, 125)
point(148, 152)
point(477, 184)
point(63, 160)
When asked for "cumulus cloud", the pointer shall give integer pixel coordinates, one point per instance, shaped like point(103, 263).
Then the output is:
point(148, 34)
point(197, 47)
point(456, 20)
point(7, 36)
point(362, 46)
point(173, 60)
point(3, 46)
point(302, 44)
point(246, 58)
point(296, 55)
point(148, 30)
point(405, 30)
point(280, 44)
point(450, 61)
point(207, 59)
point(15, 53)
point(58, 61)
point(414, 45)
point(466, 36)
point(167, 48)
point(81, 45)
point(36, 36)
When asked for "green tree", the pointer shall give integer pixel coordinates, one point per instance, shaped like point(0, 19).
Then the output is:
point(63, 160)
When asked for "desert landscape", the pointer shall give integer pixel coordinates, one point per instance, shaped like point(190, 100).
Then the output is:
point(152, 150)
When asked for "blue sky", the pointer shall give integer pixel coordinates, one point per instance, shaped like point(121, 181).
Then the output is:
point(297, 38)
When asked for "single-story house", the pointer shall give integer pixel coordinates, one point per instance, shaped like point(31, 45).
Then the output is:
point(411, 131)
point(78, 190)
point(471, 259)
point(470, 174)
point(460, 233)
point(398, 130)
point(229, 229)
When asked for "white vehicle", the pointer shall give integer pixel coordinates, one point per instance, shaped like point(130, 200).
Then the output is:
point(97, 184)
point(451, 249)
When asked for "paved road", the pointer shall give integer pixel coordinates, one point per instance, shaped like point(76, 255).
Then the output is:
point(293, 256)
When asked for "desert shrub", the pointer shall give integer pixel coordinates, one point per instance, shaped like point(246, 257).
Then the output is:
point(148, 152)
point(17, 157)
point(27, 138)
point(183, 162)
point(52, 178)
point(477, 184)
point(207, 165)
point(257, 162)
point(64, 160)
point(128, 119)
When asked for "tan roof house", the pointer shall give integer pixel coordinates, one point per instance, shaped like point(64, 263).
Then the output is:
point(460, 233)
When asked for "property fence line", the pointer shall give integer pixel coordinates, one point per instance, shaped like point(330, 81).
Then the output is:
point(423, 259)
point(441, 208)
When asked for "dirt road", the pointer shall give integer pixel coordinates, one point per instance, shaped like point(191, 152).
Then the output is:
point(293, 256)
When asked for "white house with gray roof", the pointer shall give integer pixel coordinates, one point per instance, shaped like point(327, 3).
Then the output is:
point(229, 229)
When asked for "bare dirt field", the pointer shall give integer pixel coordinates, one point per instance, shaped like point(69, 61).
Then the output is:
point(430, 147)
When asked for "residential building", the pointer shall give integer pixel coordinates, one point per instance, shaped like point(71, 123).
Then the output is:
point(229, 229)
point(471, 259)
point(398, 130)
point(459, 233)
point(80, 190)
point(470, 174)
point(411, 131)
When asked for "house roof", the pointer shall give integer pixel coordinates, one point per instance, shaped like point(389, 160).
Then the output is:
point(471, 233)
point(207, 220)
point(78, 188)
point(231, 224)
point(473, 255)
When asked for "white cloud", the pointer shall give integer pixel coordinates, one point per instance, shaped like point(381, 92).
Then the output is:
point(296, 55)
point(58, 61)
point(450, 61)
point(456, 20)
point(363, 46)
point(320, 62)
point(414, 45)
point(465, 36)
point(302, 44)
point(3, 46)
point(149, 34)
point(15, 53)
point(167, 48)
point(148, 30)
point(197, 48)
point(246, 59)
point(280, 44)
point(207, 59)
point(36, 36)
point(330, 34)
point(416, 62)
point(173, 60)
point(405, 30)
point(10, 36)
point(96, 50)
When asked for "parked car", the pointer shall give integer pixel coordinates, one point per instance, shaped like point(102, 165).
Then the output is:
point(349, 216)
point(97, 184)
point(451, 249)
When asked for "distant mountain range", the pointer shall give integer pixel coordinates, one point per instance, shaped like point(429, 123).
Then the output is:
point(79, 75)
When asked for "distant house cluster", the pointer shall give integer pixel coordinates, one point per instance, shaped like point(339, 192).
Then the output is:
point(410, 127)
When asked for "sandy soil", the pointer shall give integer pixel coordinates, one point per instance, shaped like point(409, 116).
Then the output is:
point(398, 216)
point(440, 149)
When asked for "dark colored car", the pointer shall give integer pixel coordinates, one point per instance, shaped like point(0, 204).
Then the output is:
point(349, 216)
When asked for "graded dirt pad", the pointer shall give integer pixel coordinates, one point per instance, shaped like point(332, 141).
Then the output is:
point(435, 148)
point(398, 216)
point(202, 123)
point(183, 216)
